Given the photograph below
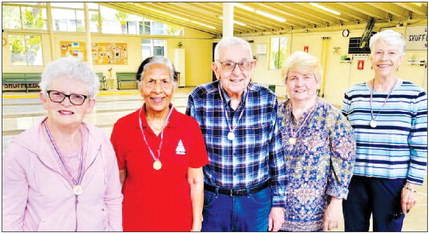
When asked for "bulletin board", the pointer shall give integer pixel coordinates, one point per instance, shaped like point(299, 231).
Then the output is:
point(73, 49)
point(109, 53)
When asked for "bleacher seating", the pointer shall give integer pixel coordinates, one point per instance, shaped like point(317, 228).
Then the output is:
point(126, 80)
point(26, 81)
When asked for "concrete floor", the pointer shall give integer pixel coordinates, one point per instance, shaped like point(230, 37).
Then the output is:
point(21, 110)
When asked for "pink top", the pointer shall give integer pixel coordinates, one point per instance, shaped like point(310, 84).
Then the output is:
point(38, 197)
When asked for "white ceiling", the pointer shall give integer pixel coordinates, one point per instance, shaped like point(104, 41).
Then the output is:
point(299, 16)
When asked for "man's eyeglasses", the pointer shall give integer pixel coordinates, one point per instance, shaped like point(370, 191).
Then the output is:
point(58, 97)
point(230, 66)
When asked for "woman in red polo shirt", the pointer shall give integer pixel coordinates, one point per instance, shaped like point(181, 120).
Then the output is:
point(160, 154)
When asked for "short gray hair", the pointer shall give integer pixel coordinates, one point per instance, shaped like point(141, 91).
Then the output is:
point(72, 68)
point(302, 61)
point(230, 41)
point(390, 37)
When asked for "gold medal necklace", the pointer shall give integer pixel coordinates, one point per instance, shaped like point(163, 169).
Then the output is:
point(157, 165)
point(231, 135)
point(373, 122)
point(294, 135)
point(77, 188)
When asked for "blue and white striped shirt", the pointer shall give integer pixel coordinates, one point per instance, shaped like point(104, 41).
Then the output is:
point(255, 155)
point(397, 147)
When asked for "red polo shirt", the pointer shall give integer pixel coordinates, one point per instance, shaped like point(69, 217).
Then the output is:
point(158, 200)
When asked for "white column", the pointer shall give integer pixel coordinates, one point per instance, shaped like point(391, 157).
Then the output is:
point(88, 36)
point(51, 32)
point(228, 20)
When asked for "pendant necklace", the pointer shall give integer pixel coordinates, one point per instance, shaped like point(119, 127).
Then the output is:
point(157, 165)
point(77, 188)
point(373, 123)
point(231, 135)
point(293, 139)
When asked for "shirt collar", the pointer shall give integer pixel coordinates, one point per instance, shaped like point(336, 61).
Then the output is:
point(171, 123)
point(226, 97)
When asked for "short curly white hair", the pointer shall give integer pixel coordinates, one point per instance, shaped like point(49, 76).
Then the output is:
point(72, 68)
point(390, 37)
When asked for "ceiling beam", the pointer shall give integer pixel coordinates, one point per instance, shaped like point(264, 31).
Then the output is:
point(346, 14)
point(365, 9)
point(390, 8)
point(291, 19)
point(330, 17)
point(294, 13)
point(146, 12)
point(414, 8)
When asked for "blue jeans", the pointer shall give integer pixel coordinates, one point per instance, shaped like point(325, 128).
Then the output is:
point(376, 196)
point(224, 213)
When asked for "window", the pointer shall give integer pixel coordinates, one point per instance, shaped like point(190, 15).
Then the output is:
point(117, 22)
point(25, 50)
point(25, 17)
point(70, 17)
point(278, 52)
point(153, 48)
point(68, 20)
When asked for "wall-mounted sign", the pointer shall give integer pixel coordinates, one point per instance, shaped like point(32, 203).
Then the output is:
point(416, 38)
point(261, 48)
point(102, 53)
point(109, 53)
point(361, 64)
point(73, 49)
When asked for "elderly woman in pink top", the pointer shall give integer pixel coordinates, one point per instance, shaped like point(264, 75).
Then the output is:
point(62, 174)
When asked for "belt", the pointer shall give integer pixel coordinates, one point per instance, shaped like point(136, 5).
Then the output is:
point(236, 192)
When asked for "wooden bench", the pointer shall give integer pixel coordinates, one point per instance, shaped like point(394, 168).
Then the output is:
point(21, 80)
point(103, 81)
point(126, 80)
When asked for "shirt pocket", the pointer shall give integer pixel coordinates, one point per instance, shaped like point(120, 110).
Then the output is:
point(258, 137)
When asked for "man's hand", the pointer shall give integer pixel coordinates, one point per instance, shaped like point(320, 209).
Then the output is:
point(276, 219)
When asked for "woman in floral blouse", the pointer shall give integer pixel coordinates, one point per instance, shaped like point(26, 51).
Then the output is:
point(319, 149)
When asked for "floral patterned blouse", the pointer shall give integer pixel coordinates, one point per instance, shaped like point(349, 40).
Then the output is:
point(319, 165)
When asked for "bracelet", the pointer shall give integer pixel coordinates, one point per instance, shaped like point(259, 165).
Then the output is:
point(409, 189)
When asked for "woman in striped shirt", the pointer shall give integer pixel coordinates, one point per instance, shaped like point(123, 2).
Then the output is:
point(389, 117)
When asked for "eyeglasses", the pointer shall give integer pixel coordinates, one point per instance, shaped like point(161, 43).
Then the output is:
point(230, 66)
point(58, 97)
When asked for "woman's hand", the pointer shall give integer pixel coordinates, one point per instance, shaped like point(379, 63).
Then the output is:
point(408, 198)
point(196, 226)
point(332, 214)
point(196, 183)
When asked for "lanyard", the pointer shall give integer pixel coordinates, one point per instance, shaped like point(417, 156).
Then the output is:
point(78, 180)
point(292, 140)
point(157, 163)
point(231, 126)
point(385, 100)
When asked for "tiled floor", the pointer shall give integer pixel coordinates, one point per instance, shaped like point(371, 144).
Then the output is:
point(22, 110)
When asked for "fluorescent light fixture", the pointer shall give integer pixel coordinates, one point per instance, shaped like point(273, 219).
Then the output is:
point(235, 22)
point(244, 7)
point(205, 25)
point(162, 12)
point(263, 13)
point(325, 9)
point(270, 16)
point(177, 17)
